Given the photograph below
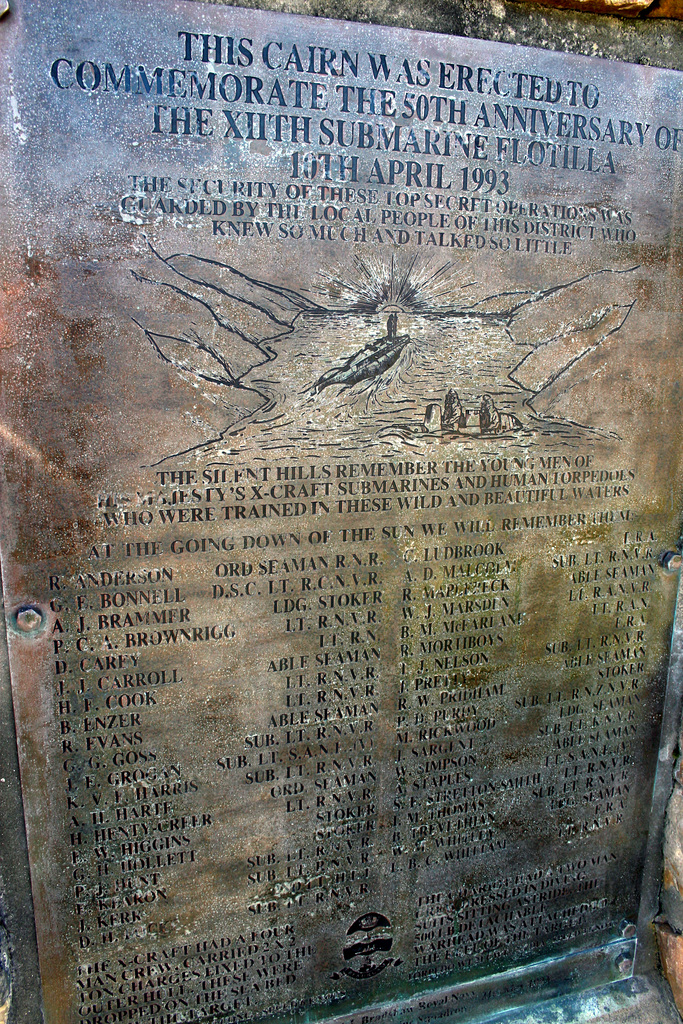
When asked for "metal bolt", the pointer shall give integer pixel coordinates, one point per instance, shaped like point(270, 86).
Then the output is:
point(28, 619)
point(627, 928)
point(624, 963)
point(671, 561)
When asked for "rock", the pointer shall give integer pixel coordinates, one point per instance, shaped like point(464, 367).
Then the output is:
point(454, 415)
point(624, 8)
point(666, 9)
point(671, 906)
point(432, 422)
point(492, 420)
point(673, 841)
point(671, 954)
point(669, 939)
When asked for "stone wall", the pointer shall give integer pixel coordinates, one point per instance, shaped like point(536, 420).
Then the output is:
point(653, 41)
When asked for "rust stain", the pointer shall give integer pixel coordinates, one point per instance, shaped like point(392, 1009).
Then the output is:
point(80, 336)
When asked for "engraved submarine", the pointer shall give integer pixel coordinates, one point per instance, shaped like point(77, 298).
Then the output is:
point(370, 362)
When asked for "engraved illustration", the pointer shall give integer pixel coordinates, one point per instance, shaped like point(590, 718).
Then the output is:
point(404, 355)
point(369, 939)
point(370, 362)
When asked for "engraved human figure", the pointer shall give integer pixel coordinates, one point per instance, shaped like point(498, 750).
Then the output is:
point(492, 420)
point(454, 416)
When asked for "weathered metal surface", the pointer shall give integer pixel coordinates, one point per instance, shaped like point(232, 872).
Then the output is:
point(342, 427)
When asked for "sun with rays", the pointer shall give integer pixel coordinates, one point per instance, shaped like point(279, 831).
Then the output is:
point(404, 285)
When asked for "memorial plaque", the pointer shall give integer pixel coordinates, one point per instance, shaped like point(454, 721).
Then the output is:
point(341, 416)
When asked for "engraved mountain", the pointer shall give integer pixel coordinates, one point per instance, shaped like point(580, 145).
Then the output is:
point(295, 372)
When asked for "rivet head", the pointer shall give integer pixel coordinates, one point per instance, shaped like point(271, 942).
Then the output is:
point(28, 619)
point(624, 963)
point(671, 561)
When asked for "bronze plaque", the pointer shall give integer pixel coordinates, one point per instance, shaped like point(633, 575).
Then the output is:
point(342, 434)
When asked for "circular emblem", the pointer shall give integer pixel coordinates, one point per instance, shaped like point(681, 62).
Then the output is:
point(368, 941)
